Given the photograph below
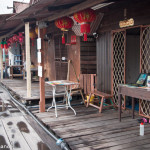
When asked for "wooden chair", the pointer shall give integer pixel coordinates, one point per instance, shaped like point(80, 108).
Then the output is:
point(102, 97)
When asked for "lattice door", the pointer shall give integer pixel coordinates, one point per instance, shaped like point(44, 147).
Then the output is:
point(145, 65)
point(119, 39)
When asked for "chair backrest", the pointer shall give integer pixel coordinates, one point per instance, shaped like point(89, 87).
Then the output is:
point(88, 82)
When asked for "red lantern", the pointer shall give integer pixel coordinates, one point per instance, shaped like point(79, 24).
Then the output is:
point(21, 38)
point(2, 45)
point(85, 17)
point(64, 24)
point(15, 38)
point(5, 45)
point(10, 41)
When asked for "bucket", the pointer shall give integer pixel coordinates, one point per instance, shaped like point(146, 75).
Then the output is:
point(91, 99)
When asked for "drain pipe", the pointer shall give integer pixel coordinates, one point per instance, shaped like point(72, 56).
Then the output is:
point(60, 142)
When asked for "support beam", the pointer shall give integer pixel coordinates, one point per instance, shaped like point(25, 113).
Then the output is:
point(28, 59)
point(42, 79)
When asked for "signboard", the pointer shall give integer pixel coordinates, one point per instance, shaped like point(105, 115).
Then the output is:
point(39, 43)
point(126, 23)
point(39, 57)
point(73, 39)
point(40, 71)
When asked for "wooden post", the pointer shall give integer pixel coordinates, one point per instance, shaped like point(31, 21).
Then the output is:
point(1, 61)
point(28, 60)
point(42, 79)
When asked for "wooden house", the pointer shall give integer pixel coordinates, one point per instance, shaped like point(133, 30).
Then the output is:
point(117, 50)
point(115, 53)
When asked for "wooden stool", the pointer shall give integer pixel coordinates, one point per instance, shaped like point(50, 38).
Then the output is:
point(103, 97)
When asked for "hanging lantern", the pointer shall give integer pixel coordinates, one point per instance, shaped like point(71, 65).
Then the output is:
point(5, 45)
point(20, 38)
point(64, 24)
point(8, 43)
point(2, 44)
point(84, 17)
point(15, 38)
point(32, 35)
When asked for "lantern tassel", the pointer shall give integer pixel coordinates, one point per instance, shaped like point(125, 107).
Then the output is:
point(63, 39)
point(85, 36)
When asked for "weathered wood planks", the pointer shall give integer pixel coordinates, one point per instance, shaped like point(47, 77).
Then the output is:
point(90, 130)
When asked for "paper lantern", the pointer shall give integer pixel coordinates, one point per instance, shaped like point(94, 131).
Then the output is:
point(64, 24)
point(5, 45)
point(85, 17)
point(32, 35)
point(2, 44)
point(15, 38)
point(21, 38)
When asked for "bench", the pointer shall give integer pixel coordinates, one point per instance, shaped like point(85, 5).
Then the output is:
point(103, 97)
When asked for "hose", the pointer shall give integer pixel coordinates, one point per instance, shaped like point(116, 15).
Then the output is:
point(60, 142)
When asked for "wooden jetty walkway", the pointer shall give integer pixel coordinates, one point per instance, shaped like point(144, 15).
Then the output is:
point(19, 88)
point(18, 131)
point(90, 130)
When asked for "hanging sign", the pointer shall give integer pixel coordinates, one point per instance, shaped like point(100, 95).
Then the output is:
point(73, 39)
point(40, 71)
point(126, 23)
point(39, 57)
point(39, 43)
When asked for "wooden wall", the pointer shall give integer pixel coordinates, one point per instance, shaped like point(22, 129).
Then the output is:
point(136, 9)
point(88, 56)
point(50, 72)
point(74, 55)
point(33, 50)
point(103, 47)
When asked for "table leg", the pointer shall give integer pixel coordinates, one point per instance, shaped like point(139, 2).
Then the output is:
point(53, 102)
point(69, 94)
point(119, 99)
point(132, 108)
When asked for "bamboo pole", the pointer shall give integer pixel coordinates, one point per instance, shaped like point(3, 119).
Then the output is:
point(28, 60)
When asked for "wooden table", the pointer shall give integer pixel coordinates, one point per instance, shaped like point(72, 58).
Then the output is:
point(16, 75)
point(68, 87)
point(134, 92)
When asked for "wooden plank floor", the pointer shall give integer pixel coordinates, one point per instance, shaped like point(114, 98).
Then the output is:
point(19, 88)
point(90, 130)
point(16, 131)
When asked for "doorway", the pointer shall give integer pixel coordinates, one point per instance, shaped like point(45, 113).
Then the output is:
point(132, 62)
point(126, 59)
